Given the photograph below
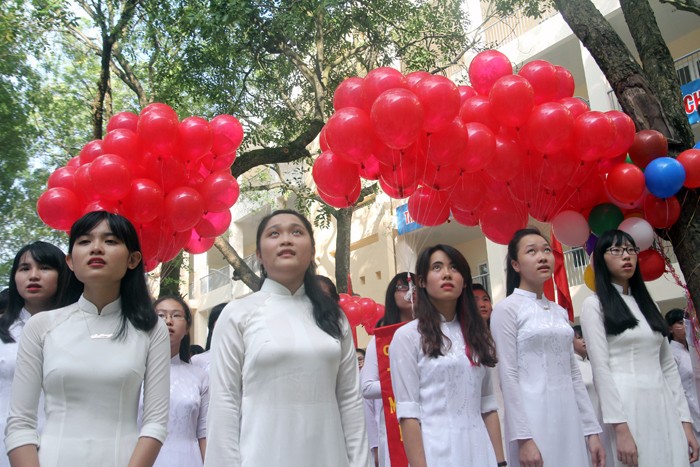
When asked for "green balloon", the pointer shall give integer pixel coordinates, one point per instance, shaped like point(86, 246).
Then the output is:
point(605, 217)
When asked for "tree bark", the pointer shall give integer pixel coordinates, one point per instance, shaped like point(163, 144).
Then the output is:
point(343, 220)
point(248, 277)
point(692, 6)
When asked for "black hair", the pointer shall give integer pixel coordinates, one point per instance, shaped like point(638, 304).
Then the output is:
point(477, 286)
point(329, 286)
point(392, 313)
point(137, 307)
point(326, 311)
point(4, 299)
point(184, 351)
point(67, 287)
point(513, 276)
point(676, 315)
point(577, 330)
point(617, 317)
point(480, 346)
point(196, 349)
point(362, 351)
point(213, 318)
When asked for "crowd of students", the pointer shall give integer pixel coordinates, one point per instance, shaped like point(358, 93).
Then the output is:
point(107, 378)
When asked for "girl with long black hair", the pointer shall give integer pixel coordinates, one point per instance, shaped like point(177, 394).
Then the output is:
point(444, 395)
point(284, 376)
point(634, 373)
point(91, 358)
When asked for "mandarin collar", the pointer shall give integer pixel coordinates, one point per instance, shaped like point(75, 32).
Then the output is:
point(443, 320)
point(176, 360)
point(24, 315)
point(678, 344)
point(88, 307)
point(543, 302)
point(276, 288)
point(620, 289)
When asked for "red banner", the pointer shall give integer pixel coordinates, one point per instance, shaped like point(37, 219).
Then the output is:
point(383, 338)
point(560, 279)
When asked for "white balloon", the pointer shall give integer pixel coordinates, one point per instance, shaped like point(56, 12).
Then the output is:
point(571, 228)
point(640, 230)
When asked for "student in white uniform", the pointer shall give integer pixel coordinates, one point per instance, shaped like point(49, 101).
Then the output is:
point(39, 280)
point(203, 360)
point(189, 391)
point(549, 418)
point(634, 373)
point(439, 366)
point(91, 359)
point(284, 377)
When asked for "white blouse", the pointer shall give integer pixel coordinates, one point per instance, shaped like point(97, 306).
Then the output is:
point(202, 360)
point(283, 391)
point(685, 369)
point(447, 394)
point(92, 386)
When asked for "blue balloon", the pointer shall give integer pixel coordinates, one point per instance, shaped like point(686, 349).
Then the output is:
point(697, 145)
point(664, 177)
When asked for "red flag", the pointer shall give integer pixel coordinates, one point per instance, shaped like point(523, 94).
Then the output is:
point(560, 278)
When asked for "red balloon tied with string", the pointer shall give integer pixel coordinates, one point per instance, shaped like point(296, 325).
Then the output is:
point(499, 220)
point(111, 177)
point(512, 98)
point(397, 117)
point(227, 135)
point(690, 160)
point(124, 121)
point(184, 208)
point(625, 183)
point(348, 94)
point(213, 224)
point(544, 79)
point(197, 244)
point(481, 147)
point(487, 68)
point(334, 175)
point(379, 81)
point(123, 143)
point(440, 100)
point(91, 151)
point(144, 201)
point(63, 177)
point(58, 208)
point(647, 146)
point(349, 134)
point(651, 264)
point(661, 213)
point(429, 207)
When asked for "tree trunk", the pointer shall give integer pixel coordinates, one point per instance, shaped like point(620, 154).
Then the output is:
point(248, 277)
point(102, 87)
point(170, 277)
point(343, 219)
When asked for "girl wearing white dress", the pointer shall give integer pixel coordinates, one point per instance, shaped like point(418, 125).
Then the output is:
point(39, 280)
point(91, 359)
point(284, 377)
point(548, 416)
point(634, 373)
point(189, 391)
point(203, 360)
point(398, 308)
point(444, 395)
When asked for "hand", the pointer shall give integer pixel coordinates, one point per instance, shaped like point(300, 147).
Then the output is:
point(597, 451)
point(626, 447)
point(693, 449)
point(529, 454)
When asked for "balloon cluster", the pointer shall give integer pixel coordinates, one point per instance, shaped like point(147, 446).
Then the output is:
point(361, 310)
point(491, 154)
point(172, 179)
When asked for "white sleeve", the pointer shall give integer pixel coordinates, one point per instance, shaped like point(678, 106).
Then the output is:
point(599, 354)
point(26, 387)
point(371, 423)
point(504, 328)
point(224, 414)
point(488, 397)
point(405, 376)
point(156, 384)
point(203, 407)
point(673, 380)
point(369, 376)
point(589, 420)
point(350, 402)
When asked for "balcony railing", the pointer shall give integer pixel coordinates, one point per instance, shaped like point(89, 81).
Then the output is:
point(484, 280)
point(575, 261)
point(215, 279)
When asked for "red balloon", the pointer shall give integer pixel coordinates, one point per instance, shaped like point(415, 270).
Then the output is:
point(565, 83)
point(481, 147)
point(465, 92)
point(74, 162)
point(624, 132)
point(446, 145)
point(58, 208)
point(125, 144)
point(103, 205)
point(219, 191)
point(405, 168)
point(397, 116)
point(227, 135)
point(468, 193)
point(322, 140)
point(378, 81)
point(429, 207)
point(651, 264)
point(196, 139)
point(213, 224)
point(123, 121)
point(440, 177)
point(557, 169)
point(63, 177)
point(625, 183)
point(158, 131)
point(499, 220)
point(594, 135)
point(171, 244)
point(348, 94)
point(506, 160)
point(400, 192)
point(349, 134)
point(149, 238)
point(647, 146)
point(369, 168)
point(91, 151)
point(440, 100)
point(413, 78)
point(184, 207)
point(575, 105)
point(661, 213)
point(334, 175)
point(111, 177)
point(159, 107)
point(197, 244)
point(545, 206)
point(169, 172)
point(486, 68)
point(690, 160)
point(144, 201)
point(353, 311)
point(549, 127)
point(214, 163)
point(544, 79)
point(83, 184)
point(344, 201)
point(478, 109)
point(583, 172)
point(467, 218)
point(512, 99)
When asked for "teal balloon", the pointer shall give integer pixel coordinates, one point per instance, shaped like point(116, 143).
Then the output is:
point(664, 176)
point(604, 217)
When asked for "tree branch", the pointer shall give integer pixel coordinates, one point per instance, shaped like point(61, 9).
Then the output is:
point(692, 6)
point(248, 277)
